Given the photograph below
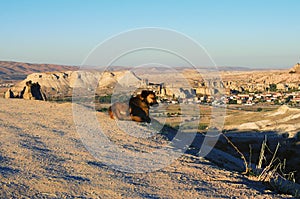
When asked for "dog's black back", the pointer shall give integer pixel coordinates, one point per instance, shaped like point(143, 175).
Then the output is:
point(139, 106)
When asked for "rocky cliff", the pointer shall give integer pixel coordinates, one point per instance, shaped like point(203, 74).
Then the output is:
point(61, 84)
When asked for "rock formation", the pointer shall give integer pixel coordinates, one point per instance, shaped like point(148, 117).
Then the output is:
point(9, 94)
point(61, 84)
point(31, 91)
point(295, 69)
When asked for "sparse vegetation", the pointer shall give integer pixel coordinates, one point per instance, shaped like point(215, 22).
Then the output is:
point(273, 87)
point(273, 173)
point(259, 109)
point(202, 126)
point(103, 99)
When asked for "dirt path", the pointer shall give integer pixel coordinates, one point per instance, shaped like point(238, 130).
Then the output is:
point(42, 155)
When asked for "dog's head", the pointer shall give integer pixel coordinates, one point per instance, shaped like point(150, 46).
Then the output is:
point(149, 97)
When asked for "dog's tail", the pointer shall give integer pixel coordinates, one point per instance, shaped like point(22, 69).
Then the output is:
point(110, 113)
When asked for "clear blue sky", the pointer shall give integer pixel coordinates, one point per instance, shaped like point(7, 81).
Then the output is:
point(256, 33)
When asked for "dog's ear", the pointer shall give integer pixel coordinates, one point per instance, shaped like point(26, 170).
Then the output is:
point(144, 94)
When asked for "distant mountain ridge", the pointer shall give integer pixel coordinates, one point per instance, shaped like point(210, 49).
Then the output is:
point(15, 71)
point(11, 70)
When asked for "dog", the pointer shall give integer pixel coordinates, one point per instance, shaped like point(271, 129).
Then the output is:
point(137, 109)
point(140, 105)
point(119, 111)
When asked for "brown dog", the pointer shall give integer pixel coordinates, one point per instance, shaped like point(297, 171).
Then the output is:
point(119, 111)
point(137, 110)
point(139, 106)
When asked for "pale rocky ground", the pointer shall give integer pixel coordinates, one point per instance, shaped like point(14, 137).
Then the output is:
point(42, 156)
point(283, 120)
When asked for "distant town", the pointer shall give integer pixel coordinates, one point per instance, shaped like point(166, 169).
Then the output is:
point(233, 92)
point(273, 94)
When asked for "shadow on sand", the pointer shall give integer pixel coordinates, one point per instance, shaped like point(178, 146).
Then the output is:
point(249, 144)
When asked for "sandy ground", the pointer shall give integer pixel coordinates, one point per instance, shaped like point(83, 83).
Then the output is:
point(42, 156)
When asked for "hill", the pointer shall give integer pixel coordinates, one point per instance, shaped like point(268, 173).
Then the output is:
point(42, 156)
point(18, 70)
